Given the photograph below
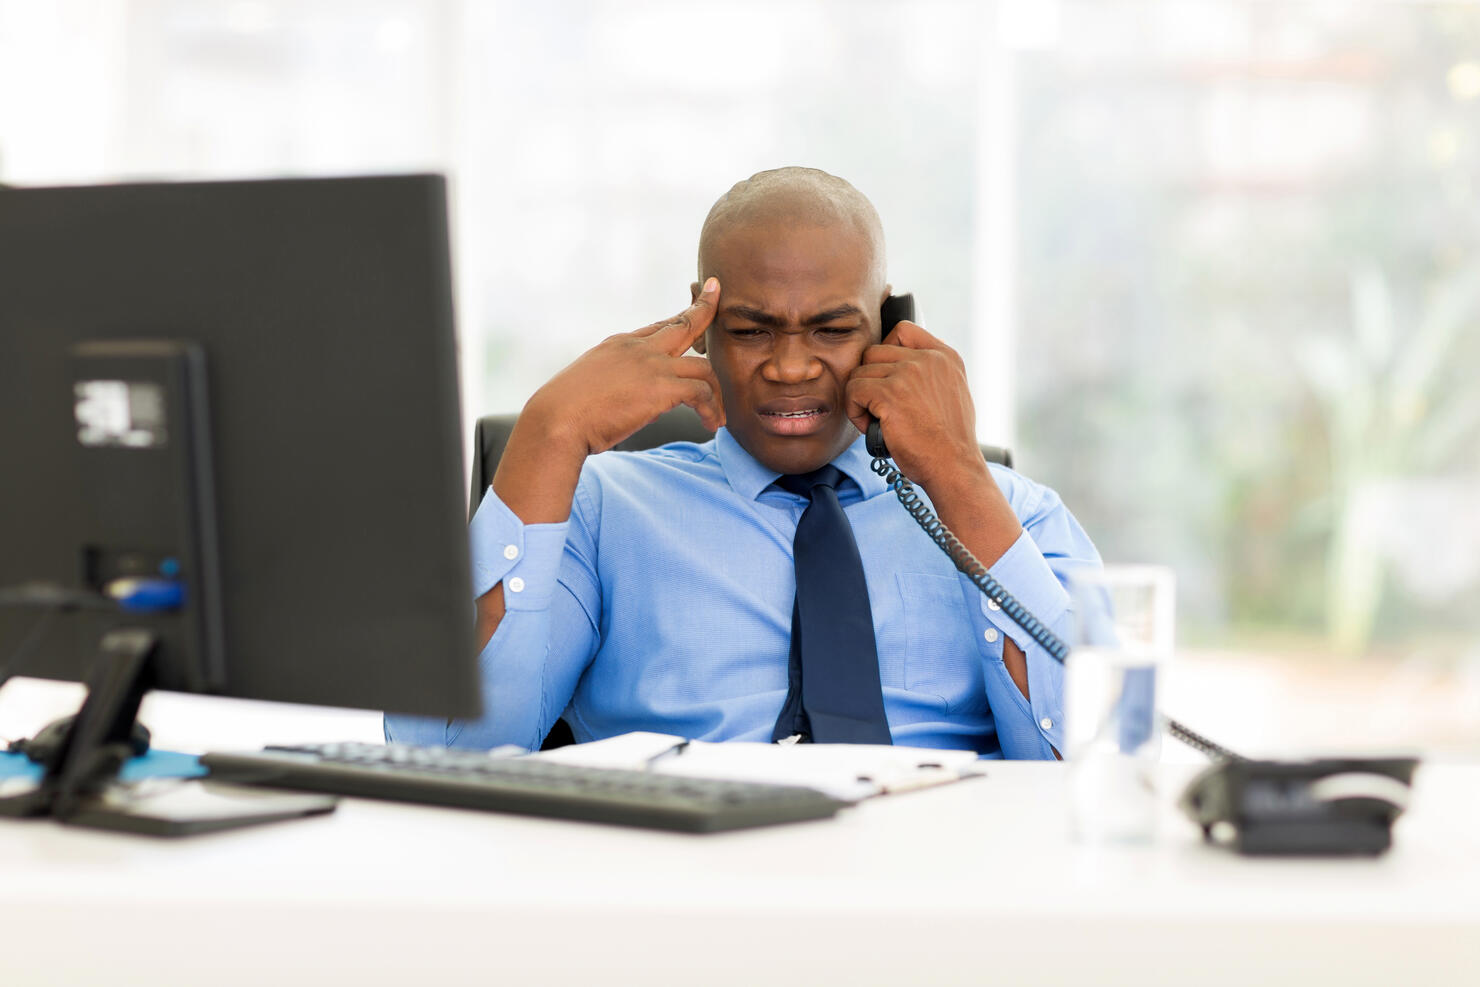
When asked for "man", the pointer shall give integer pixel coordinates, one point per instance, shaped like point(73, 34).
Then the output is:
point(657, 591)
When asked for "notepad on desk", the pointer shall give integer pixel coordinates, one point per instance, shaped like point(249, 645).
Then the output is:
point(850, 772)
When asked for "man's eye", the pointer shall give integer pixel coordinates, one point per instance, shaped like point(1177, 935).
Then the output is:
point(836, 330)
point(746, 332)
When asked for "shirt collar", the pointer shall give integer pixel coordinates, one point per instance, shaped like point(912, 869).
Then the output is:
point(748, 477)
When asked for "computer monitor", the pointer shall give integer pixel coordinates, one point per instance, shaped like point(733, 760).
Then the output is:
point(232, 407)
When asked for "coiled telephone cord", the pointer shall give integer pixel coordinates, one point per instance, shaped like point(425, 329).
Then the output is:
point(972, 568)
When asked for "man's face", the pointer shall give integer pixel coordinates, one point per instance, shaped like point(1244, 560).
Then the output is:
point(797, 308)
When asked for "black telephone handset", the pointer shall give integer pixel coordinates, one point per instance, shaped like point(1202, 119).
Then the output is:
point(896, 309)
point(1273, 807)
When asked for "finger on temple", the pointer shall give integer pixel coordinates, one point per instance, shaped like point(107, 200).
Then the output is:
point(679, 333)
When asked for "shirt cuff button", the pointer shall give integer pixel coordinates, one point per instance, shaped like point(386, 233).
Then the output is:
point(990, 634)
point(516, 585)
point(511, 552)
point(993, 605)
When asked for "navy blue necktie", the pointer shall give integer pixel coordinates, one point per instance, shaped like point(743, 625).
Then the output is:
point(835, 696)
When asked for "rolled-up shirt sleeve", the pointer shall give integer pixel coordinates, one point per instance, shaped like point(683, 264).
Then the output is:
point(1035, 570)
point(524, 557)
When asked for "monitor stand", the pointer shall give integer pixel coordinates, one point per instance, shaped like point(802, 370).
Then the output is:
point(80, 784)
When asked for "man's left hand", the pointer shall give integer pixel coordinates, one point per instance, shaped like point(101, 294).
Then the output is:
point(916, 386)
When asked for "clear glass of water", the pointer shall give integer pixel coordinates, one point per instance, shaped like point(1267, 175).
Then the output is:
point(1124, 620)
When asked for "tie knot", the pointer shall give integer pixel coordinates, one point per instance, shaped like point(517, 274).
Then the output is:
point(803, 483)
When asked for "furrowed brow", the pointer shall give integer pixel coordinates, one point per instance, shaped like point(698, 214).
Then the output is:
point(763, 318)
point(840, 312)
point(758, 316)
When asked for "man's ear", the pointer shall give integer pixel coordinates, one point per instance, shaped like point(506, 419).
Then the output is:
point(700, 344)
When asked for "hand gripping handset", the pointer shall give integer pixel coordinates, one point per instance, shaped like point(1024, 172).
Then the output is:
point(898, 308)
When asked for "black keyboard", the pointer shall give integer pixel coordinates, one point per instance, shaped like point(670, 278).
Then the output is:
point(531, 786)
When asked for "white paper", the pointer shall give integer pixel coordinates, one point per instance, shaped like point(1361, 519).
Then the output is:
point(849, 772)
point(629, 750)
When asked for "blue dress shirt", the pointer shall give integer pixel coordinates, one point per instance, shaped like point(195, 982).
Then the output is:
point(664, 603)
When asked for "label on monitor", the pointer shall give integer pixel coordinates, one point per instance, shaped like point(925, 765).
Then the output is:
point(127, 413)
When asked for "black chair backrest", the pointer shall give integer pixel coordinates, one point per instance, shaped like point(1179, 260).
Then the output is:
point(682, 424)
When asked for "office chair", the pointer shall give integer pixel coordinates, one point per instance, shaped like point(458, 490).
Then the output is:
point(491, 437)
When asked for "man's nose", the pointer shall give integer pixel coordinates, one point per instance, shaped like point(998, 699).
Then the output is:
point(792, 359)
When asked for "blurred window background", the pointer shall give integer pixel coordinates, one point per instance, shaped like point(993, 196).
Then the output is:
point(1214, 265)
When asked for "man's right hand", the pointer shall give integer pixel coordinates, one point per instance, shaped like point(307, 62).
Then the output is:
point(611, 391)
point(627, 380)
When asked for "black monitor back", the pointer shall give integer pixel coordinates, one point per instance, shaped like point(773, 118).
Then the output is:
point(323, 308)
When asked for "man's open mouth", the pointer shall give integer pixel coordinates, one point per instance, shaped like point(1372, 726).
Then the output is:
point(793, 421)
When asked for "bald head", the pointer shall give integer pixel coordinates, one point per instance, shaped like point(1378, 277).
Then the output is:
point(794, 198)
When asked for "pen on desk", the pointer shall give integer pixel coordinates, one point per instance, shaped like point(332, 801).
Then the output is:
point(666, 752)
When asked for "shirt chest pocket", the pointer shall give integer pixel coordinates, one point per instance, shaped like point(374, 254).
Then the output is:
point(941, 654)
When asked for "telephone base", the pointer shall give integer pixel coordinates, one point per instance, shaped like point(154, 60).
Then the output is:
point(1327, 837)
point(1327, 807)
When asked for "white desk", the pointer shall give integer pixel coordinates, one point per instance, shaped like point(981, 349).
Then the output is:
point(971, 883)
